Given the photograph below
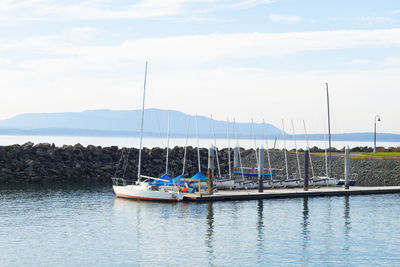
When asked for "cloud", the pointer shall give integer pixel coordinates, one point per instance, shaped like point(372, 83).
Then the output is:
point(276, 18)
point(111, 10)
point(205, 48)
point(251, 3)
point(359, 61)
point(391, 62)
point(396, 11)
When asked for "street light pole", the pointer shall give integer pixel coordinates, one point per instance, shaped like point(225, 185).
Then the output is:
point(377, 118)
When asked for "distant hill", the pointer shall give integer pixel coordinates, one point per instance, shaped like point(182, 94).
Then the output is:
point(123, 123)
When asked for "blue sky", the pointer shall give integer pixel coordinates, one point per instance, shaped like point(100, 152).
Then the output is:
point(246, 59)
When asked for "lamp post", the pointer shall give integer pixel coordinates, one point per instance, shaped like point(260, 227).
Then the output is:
point(377, 118)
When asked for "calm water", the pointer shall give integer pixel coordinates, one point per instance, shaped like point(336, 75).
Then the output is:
point(70, 226)
point(162, 142)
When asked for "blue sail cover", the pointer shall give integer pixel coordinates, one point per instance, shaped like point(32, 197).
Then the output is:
point(165, 177)
point(199, 176)
point(175, 180)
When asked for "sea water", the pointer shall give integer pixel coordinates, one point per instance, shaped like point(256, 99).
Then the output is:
point(86, 225)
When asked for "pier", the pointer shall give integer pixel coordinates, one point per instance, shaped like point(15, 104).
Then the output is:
point(229, 195)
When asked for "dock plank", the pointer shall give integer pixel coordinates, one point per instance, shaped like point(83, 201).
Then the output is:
point(291, 193)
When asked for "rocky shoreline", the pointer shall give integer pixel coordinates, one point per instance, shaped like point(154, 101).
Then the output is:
point(46, 163)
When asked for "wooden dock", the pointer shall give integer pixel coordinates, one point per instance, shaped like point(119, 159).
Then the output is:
point(228, 195)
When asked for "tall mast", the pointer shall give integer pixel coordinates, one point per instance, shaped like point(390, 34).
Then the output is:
point(187, 136)
point(284, 150)
point(141, 124)
point(266, 143)
point(198, 144)
point(329, 133)
point(166, 163)
point(229, 149)
point(238, 148)
point(297, 153)
point(305, 131)
point(215, 146)
point(254, 139)
point(326, 155)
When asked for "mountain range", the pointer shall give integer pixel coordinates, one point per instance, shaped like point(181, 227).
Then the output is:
point(121, 123)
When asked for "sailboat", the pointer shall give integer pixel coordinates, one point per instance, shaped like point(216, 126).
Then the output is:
point(143, 190)
point(326, 180)
point(221, 182)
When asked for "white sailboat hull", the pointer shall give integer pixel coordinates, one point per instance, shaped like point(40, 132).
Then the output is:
point(324, 181)
point(224, 183)
point(144, 191)
point(292, 183)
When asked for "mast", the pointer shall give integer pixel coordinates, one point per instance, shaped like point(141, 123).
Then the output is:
point(166, 163)
point(187, 136)
point(141, 125)
point(238, 148)
point(284, 149)
point(329, 133)
point(297, 154)
point(198, 145)
point(215, 146)
point(305, 131)
point(229, 149)
point(326, 154)
point(266, 143)
point(254, 139)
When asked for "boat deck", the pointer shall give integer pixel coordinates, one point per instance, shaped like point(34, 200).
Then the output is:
point(227, 195)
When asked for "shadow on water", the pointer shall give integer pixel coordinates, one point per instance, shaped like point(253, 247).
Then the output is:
point(347, 224)
point(305, 231)
point(260, 231)
point(209, 234)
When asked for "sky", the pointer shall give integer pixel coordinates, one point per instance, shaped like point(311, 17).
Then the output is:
point(242, 59)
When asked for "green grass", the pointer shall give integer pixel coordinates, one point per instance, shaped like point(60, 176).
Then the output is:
point(392, 154)
point(365, 155)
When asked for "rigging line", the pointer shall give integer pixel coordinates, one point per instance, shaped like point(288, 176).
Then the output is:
point(297, 154)
point(185, 150)
point(266, 143)
point(141, 125)
point(238, 148)
point(166, 161)
point(198, 144)
point(305, 131)
point(229, 149)
point(126, 162)
point(215, 146)
point(284, 150)
point(119, 162)
point(255, 143)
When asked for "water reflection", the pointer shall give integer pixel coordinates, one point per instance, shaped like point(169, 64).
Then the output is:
point(347, 223)
point(260, 230)
point(305, 231)
point(209, 233)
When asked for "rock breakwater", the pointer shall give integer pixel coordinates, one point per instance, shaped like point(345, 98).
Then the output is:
point(30, 163)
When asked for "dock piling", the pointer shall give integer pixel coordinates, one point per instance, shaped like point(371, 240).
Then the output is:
point(210, 170)
point(261, 170)
point(347, 168)
point(306, 163)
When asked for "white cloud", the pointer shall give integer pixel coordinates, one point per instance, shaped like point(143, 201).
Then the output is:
point(391, 62)
point(71, 76)
point(359, 61)
point(203, 48)
point(396, 11)
point(276, 18)
point(251, 3)
point(105, 9)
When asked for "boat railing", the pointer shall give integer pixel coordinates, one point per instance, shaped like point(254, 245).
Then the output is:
point(118, 181)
